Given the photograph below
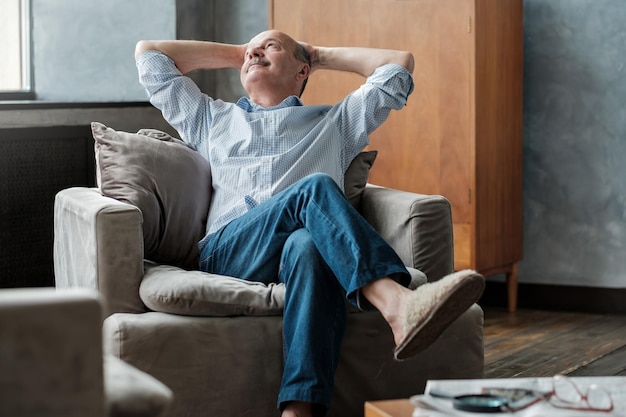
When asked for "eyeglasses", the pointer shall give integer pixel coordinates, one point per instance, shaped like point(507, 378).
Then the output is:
point(566, 394)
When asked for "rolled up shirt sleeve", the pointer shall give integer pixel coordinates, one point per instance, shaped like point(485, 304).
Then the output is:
point(180, 100)
point(366, 108)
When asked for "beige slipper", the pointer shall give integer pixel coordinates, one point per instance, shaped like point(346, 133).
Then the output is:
point(432, 307)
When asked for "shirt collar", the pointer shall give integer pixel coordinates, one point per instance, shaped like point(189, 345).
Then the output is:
point(249, 106)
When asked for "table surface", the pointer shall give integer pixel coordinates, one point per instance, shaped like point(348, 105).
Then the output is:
point(389, 408)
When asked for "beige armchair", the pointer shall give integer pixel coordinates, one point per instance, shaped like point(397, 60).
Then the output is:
point(216, 341)
point(51, 361)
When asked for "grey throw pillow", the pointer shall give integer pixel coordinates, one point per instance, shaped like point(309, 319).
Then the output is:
point(169, 182)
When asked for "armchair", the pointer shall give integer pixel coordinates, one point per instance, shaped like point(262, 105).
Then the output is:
point(51, 361)
point(216, 341)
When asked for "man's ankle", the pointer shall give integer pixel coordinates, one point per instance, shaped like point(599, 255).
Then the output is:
point(298, 409)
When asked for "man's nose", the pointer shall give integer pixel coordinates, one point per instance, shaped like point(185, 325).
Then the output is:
point(254, 52)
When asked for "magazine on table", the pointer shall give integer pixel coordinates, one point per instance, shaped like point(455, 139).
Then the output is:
point(524, 397)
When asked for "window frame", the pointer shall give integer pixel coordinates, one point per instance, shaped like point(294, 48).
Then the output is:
point(27, 92)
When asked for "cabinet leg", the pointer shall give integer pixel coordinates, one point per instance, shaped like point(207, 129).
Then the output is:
point(511, 286)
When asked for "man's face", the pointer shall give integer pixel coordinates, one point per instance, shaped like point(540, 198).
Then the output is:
point(270, 62)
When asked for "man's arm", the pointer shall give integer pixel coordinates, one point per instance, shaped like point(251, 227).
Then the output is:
point(362, 61)
point(192, 55)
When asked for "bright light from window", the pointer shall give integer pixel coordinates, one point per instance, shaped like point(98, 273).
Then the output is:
point(14, 46)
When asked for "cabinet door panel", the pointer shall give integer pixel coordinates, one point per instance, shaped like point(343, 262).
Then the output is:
point(456, 107)
point(499, 75)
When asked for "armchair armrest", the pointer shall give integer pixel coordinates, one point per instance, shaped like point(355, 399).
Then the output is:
point(417, 226)
point(98, 243)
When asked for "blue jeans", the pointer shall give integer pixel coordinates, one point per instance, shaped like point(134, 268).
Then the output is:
point(310, 238)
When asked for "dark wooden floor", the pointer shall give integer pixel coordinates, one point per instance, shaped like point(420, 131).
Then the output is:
point(531, 343)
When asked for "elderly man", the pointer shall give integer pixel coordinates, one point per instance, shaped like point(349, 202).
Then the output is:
point(279, 213)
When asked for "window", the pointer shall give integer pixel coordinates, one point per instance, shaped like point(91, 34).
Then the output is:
point(15, 69)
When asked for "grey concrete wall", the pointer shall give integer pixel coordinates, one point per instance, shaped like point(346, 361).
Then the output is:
point(229, 21)
point(237, 22)
point(575, 143)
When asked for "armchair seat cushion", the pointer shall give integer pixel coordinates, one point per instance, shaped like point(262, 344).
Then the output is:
point(173, 290)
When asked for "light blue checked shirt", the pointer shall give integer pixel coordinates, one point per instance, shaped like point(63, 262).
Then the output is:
point(256, 152)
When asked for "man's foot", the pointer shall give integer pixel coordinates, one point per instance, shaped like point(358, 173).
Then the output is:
point(432, 307)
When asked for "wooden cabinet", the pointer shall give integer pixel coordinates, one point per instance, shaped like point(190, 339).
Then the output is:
point(461, 133)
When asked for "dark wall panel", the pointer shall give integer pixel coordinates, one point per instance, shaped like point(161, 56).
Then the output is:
point(36, 163)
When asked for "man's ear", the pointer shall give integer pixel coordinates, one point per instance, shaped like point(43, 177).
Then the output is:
point(304, 72)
